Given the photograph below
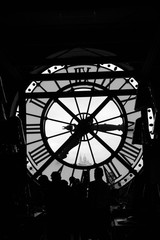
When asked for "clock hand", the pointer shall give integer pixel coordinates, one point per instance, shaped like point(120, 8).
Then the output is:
point(107, 127)
point(98, 127)
point(62, 151)
point(84, 127)
point(78, 131)
point(73, 141)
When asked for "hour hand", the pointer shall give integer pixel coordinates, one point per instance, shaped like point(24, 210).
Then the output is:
point(107, 127)
point(71, 142)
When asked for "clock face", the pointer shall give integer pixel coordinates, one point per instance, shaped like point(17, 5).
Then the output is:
point(76, 125)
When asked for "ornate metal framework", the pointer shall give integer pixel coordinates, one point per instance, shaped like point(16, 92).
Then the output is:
point(72, 109)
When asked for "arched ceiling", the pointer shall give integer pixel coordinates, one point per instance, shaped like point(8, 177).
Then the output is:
point(28, 37)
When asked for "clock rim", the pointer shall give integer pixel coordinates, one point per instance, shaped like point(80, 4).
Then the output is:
point(123, 136)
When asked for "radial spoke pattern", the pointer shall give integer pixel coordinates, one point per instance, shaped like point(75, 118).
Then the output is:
point(81, 119)
point(76, 125)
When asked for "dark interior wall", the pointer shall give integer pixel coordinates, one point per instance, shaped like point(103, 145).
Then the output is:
point(130, 32)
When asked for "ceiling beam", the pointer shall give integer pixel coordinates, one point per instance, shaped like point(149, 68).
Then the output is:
point(82, 75)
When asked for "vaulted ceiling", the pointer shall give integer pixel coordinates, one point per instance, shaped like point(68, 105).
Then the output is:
point(28, 37)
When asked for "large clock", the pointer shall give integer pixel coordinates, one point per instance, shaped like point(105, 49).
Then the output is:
point(75, 124)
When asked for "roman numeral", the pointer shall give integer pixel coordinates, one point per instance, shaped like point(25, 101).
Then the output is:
point(39, 154)
point(38, 102)
point(81, 70)
point(111, 172)
point(129, 153)
point(32, 128)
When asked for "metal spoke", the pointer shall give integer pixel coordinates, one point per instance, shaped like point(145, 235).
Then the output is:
point(91, 149)
point(115, 134)
point(60, 153)
point(56, 135)
point(89, 104)
point(100, 107)
point(68, 110)
point(56, 120)
point(79, 145)
point(102, 142)
point(109, 119)
point(78, 107)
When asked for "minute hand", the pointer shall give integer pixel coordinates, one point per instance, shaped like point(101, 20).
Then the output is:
point(107, 127)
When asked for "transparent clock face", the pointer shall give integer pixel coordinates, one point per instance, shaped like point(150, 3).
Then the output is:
point(98, 132)
point(78, 124)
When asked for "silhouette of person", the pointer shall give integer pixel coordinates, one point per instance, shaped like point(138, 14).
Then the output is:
point(77, 201)
point(57, 209)
point(44, 184)
point(99, 199)
point(72, 180)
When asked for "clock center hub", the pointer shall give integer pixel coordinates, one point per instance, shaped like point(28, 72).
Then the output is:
point(83, 127)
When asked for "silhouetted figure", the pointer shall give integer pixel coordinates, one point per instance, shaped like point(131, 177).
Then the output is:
point(99, 204)
point(77, 205)
point(72, 180)
point(57, 208)
point(44, 184)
